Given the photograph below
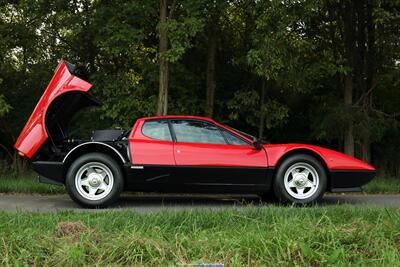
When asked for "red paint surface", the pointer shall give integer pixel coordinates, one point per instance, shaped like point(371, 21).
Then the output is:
point(218, 155)
point(334, 160)
point(145, 150)
point(34, 133)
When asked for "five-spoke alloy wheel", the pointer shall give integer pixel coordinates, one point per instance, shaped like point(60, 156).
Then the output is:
point(94, 180)
point(300, 179)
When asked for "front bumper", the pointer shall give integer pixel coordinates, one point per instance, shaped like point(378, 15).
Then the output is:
point(50, 172)
point(349, 180)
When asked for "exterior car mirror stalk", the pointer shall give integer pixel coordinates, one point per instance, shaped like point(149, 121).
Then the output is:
point(256, 144)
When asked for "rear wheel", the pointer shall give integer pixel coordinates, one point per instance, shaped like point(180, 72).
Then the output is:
point(94, 180)
point(300, 179)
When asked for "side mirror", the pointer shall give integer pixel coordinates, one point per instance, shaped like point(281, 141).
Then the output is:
point(256, 144)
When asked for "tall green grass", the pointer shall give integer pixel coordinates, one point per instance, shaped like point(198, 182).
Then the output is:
point(264, 236)
point(27, 183)
point(383, 185)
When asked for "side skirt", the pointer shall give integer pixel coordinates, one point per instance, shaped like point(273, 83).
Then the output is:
point(202, 179)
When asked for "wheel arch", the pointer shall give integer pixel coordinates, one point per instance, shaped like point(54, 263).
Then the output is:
point(309, 152)
point(90, 147)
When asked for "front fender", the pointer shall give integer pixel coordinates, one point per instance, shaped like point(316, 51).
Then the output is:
point(345, 173)
point(333, 160)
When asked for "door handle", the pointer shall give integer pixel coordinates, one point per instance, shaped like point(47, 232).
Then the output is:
point(178, 151)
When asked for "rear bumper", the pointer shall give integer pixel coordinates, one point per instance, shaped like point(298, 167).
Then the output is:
point(50, 171)
point(349, 180)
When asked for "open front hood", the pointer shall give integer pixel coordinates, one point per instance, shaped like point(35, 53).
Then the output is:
point(65, 95)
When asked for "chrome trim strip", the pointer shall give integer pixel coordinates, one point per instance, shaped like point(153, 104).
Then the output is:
point(137, 167)
point(99, 143)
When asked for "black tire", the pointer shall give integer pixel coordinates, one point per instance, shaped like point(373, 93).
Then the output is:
point(279, 183)
point(117, 187)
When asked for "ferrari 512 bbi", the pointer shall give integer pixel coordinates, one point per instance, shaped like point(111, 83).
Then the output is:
point(172, 154)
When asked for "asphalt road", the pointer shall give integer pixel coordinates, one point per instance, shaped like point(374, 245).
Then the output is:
point(154, 202)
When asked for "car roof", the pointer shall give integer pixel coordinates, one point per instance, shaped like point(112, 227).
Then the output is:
point(178, 117)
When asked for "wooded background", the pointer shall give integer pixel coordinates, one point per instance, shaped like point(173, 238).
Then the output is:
point(321, 72)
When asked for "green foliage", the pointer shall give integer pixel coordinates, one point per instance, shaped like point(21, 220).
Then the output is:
point(279, 47)
point(126, 104)
point(180, 34)
point(4, 107)
point(247, 106)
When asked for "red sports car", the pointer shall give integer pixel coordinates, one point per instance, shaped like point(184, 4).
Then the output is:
point(172, 154)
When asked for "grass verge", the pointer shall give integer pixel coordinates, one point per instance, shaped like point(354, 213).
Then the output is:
point(383, 185)
point(27, 183)
point(266, 236)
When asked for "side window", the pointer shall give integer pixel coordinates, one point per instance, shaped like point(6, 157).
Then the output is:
point(193, 131)
point(233, 139)
point(157, 130)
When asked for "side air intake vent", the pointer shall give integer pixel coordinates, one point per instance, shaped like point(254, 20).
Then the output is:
point(106, 135)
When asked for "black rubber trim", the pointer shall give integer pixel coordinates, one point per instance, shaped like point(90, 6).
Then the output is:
point(51, 170)
point(172, 131)
point(341, 179)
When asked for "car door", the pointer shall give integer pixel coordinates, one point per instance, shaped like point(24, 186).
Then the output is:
point(207, 155)
point(152, 157)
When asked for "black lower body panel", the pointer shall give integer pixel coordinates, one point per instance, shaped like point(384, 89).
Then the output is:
point(50, 171)
point(198, 179)
point(349, 180)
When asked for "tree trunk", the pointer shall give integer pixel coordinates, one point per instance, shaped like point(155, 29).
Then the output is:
point(348, 101)
point(349, 32)
point(369, 76)
point(162, 106)
point(211, 83)
point(262, 114)
point(366, 149)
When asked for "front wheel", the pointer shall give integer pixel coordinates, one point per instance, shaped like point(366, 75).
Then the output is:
point(300, 179)
point(94, 180)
